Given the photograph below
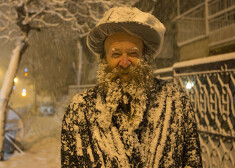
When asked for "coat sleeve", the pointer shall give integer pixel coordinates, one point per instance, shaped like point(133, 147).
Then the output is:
point(69, 144)
point(191, 153)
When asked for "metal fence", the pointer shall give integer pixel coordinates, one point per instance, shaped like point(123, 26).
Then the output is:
point(216, 6)
point(210, 84)
point(191, 24)
point(213, 18)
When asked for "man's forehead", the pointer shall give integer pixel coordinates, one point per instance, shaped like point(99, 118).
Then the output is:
point(116, 38)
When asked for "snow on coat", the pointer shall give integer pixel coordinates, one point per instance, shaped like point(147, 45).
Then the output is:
point(165, 136)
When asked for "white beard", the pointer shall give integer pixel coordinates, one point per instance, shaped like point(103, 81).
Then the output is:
point(132, 92)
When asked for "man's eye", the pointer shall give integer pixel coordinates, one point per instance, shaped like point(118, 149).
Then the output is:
point(116, 55)
point(133, 54)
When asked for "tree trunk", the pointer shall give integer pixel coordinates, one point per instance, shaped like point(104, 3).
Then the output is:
point(7, 88)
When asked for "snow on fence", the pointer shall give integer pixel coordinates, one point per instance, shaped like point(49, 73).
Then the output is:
point(210, 84)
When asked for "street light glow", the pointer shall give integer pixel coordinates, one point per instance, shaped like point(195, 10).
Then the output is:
point(23, 92)
point(189, 85)
point(15, 79)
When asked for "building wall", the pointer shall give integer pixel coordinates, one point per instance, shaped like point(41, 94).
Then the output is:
point(197, 49)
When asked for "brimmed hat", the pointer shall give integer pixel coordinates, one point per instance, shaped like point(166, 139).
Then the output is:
point(132, 21)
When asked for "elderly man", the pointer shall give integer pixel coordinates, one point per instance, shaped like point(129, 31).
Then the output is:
point(130, 119)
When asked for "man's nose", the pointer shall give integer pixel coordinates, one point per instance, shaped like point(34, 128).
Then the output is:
point(125, 62)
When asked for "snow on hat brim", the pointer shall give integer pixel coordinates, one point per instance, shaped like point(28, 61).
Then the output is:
point(130, 20)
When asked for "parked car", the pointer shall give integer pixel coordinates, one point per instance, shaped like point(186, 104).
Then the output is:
point(47, 110)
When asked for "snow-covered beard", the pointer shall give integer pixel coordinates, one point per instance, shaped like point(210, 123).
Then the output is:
point(141, 76)
point(114, 93)
point(132, 92)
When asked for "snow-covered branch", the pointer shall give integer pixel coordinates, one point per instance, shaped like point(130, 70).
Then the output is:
point(42, 23)
point(29, 19)
point(27, 14)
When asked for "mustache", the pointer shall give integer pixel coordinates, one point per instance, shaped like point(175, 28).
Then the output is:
point(121, 70)
point(142, 74)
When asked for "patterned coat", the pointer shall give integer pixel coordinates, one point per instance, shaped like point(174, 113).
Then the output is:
point(165, 137)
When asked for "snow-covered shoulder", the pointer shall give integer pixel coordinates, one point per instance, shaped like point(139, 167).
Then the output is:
point(173, 90)
point(169, 92)
point(182, 101)
point(83, 98)
point(77, 107)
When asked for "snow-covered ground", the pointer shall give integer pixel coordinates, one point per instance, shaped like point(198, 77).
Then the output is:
point(44, 154)
point(41, 142)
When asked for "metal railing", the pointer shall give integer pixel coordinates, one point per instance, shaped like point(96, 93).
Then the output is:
point(213, 18)
point(216, 6)
point(191, 24)
point(210, 84)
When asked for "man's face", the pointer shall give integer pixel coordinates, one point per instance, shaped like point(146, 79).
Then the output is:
point(123, 51)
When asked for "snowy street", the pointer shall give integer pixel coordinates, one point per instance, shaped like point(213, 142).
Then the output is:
point(42, 154)
point(41, 143)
